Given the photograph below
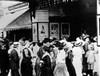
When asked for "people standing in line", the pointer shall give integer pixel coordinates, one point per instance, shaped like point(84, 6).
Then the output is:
point(4, 57)
point(45, 63)
point(14, 60)
point(26, 64)
point(60, 68)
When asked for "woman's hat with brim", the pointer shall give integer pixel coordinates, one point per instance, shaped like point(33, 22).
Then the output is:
point(78, 44)
point(58, 44)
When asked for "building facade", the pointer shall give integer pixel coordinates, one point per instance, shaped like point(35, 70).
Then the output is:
point(66, 18)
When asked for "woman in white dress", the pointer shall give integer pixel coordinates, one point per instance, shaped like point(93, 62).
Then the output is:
point(96, 49)
point(90, 54)
point(60, 68)
point(77, 59)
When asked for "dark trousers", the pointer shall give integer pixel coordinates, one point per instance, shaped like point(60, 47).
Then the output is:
point(15, 73)
point(85, 65)
point(90, 72)
point(70, 67)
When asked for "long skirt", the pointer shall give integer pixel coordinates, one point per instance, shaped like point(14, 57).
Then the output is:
point(61, 70)
point(78, 66)
point(70, 67)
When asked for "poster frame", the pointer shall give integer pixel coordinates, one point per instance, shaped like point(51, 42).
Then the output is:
point(52, 24)
point(68, 34)
point(42, 36)
point(35, 35)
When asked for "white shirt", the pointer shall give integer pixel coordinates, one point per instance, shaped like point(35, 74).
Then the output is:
point(61, 57)
point(35, 50)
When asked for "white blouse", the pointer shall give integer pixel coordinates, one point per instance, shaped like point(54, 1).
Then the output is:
point(61, 57)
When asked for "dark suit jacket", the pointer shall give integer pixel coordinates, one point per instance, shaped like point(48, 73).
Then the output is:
point(4, 59)
point(14, 60)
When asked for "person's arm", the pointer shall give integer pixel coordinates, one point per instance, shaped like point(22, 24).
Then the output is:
point(32, 55)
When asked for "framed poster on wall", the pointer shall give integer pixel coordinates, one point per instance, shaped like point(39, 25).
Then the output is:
point(54, 30)
point(43, 31)
point(34, 30)
point(98, 30)
point(65, 29)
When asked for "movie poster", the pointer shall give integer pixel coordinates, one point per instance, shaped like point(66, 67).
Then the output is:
point(34, 32)
point(65, 29)
point(54, 30)
point(43, 31)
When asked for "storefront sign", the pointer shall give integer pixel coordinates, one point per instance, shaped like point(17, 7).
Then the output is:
point(34, 29)
point(43, 31)
point(17, 6)
point(41, 16)
point(54, 30)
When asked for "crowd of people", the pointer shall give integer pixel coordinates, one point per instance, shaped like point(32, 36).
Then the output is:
point(51, 57)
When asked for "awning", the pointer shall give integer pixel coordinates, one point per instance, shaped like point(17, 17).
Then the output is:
point(22, 22)
point(7, 19)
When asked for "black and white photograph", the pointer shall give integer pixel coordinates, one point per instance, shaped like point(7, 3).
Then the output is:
point(49, 37)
